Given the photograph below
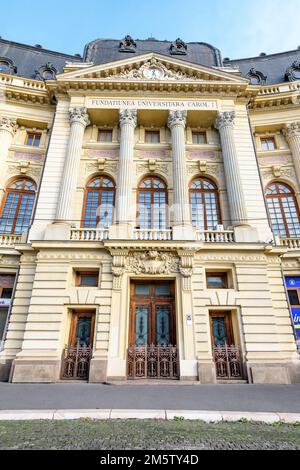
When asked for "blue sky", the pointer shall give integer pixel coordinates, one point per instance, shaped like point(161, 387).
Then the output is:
point(240, 28)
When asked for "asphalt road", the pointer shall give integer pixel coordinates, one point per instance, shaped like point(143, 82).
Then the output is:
point(255, 398)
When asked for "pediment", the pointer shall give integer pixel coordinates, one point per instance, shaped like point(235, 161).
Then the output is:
point(149, 68)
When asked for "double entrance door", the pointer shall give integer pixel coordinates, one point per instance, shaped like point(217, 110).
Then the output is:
point(152, 349)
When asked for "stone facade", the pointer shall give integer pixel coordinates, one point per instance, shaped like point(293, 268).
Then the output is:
point(131, 99)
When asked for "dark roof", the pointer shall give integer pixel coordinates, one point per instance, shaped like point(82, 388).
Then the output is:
point(102, 51)
point(273, 66)
point(29, 59)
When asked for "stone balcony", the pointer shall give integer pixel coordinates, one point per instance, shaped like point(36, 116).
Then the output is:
point(290, 243)
point(9, 240)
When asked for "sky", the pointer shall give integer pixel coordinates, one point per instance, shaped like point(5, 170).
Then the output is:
point(240, 28)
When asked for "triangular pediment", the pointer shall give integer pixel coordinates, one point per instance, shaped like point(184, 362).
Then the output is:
point(147, 68)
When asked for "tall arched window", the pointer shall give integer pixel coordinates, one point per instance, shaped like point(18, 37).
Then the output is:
point(205, 208)
point(99, 203)
point(283, 209)
point(152, 204)
point(17, 206)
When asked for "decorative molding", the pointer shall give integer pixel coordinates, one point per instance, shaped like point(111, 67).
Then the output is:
point(292, 130)
point(24, 168)
point(151, 154)
point(153, 166)
point(128, 116)
point(177, 118)
point(278, 171)
point(102, 165)
point(8, 124)
point(161, 73)
point(225, 119)
point(257, 75)
point(153, 262)
point(8, 66)
point(46, 72)
point(127, 44)
point(204, 168)
point(80, 116)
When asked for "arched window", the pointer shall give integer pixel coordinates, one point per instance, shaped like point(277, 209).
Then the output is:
point(152, 204)
point(17, 206)
point(205, 208)
point(283, 209)
point(99, 203)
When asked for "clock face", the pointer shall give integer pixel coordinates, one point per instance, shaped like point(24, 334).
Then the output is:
point(153, 73)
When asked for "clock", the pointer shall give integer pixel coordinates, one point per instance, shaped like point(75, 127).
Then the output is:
point(154, 73)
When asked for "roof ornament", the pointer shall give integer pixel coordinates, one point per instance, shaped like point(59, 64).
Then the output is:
point(46, 72)
point(256, 77)
point(7, 66)
point(178, 47)
point(293, 72)
point(127, 44)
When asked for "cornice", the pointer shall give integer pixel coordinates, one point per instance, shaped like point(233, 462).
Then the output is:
point(24, 89)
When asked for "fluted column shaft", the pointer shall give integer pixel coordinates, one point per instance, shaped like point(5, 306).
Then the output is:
point(128, 122)
point(79, 120)
point(292, 133)
point(237, 204)
point(8, 128)
point(177, 123)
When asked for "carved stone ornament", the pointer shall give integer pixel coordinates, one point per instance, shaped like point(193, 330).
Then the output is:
point(225, 119)
point(203, 168)
point(293, 72)
point(7, 66)
point(127, 44)
point(102, 165)
point(178, 47)
point(128, 116)
point(177, 118)
point(292, 130)
point(153, 70)
point(153, 262)
point(79, 115)
point(46, 72)
point(162, 168)
point(8, 124)
point(256, 77)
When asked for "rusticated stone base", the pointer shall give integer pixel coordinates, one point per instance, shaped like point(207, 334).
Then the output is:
point(275, 374)
point(98, 371)
point(5, 368)
point(206, 373)
point(35, 371)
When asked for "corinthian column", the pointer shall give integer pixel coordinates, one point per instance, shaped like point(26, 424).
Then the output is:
point(237, 205)
point(8, 128)
point(128, 122)
point(292, 134)
point(79, 119)
point(182, 218)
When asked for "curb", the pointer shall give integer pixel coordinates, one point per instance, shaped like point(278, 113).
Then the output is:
point(206, 416)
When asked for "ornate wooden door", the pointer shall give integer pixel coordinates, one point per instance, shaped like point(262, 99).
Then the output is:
point(152, 338)
point(78, 354)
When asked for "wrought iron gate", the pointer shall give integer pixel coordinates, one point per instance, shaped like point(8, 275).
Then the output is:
point(76, 363)
point(153, 362)
point(229, 363)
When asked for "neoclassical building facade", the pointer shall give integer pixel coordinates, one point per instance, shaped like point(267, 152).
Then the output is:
point(150, 223)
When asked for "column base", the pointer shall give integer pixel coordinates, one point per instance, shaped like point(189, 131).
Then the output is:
point(58, 231)
point(35, 371)
point(275, 374)
point(184, 232)
point(120, 232)
point(246, 234)
point(98, 371)
point(207, 373)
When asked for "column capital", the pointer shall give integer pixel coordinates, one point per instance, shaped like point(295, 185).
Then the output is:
point(292, 130)
point(128, 116)
point(79, 115)
point(177, 118)
point(8, 124)
point(225, 119)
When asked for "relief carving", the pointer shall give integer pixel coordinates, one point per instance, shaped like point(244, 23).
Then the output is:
point(153, 262)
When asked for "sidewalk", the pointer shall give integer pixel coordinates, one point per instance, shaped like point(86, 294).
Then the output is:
point(230, 398)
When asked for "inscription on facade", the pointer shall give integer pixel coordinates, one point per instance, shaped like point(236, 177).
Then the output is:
point(153, 104)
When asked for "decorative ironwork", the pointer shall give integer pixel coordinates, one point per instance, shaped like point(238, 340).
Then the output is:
point(229, 364)
point(153, 362)
point(76, 363)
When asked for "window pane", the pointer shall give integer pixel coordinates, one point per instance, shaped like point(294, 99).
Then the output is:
point(7, 293)
point(217, 281)
point(163, 290)
point(90, 280)
point(294, 298)
point(3, 318)
point(142, 289)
